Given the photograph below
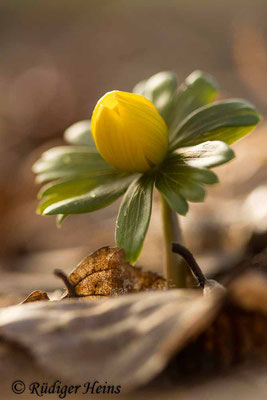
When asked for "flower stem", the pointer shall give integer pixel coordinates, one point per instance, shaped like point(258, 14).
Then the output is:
point(175, 269)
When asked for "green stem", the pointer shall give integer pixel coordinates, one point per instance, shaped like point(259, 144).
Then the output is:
point(175, 269)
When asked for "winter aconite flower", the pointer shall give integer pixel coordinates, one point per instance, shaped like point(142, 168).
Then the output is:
point(129, 132)
point(162, 136)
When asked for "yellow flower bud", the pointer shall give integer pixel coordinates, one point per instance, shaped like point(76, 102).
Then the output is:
point(129, 132)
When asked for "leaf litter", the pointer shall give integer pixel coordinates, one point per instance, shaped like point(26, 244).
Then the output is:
point(144, 335)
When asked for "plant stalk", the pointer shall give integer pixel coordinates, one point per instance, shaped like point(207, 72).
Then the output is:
point(191, 262)
point(175, 268)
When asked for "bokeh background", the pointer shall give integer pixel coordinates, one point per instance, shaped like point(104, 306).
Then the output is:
point(58, 57)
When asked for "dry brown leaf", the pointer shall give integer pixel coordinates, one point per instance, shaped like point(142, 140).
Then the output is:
point(37, 295)
point(235, 337)
point(129, 340)
point(126, 340)
point(106, 273)
point(137, 339)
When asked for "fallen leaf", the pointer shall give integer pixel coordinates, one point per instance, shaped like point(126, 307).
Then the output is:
point(153, 336)
point(37, 295)
point(237, 336)
point(106, 273)
point(126, 340)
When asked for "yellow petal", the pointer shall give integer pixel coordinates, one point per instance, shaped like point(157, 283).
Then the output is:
point(129, 132)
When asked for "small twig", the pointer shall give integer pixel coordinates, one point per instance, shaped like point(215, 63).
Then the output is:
point(192, 264)
point(70, 288)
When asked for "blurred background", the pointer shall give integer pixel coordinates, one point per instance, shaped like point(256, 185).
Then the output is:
point(58, 57)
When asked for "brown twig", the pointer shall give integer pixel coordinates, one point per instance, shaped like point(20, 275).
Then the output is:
point(192, 264)
point(70, 288)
